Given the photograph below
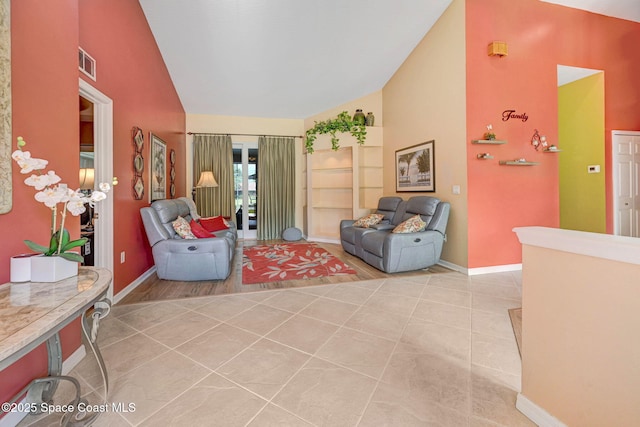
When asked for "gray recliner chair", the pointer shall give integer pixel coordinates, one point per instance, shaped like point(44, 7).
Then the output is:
point(186, 259)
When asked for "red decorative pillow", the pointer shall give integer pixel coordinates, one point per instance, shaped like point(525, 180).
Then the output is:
point(215, 223)
point(199, 231)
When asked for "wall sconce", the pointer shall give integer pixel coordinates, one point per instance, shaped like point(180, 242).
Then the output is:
point(497, 48)
point(206, 180)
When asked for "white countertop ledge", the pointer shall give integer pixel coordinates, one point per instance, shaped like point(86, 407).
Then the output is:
point(607, 246)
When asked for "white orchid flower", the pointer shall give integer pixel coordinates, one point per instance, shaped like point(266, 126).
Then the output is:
point(51, 196)
point(76, 206)
point(26, 163)
point(42, 181)
point(105, 187)
point(96, 196)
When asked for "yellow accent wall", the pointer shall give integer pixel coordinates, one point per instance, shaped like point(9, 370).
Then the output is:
point(581, 139)
point(426, 100)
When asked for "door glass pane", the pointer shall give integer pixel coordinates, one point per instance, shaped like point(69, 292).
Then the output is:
point(253, 188)
point(237, 180)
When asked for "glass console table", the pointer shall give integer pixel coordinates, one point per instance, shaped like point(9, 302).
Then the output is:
point(34, 313)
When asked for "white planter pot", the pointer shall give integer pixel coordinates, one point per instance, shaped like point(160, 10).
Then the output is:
point(21, 268)
point(52, 268)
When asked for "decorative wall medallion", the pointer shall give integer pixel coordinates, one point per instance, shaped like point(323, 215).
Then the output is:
point(172, 173)
point(137, 136)
point(138, 187)
point(138, 163)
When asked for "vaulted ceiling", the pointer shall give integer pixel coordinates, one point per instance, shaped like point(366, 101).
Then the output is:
point(296, 58)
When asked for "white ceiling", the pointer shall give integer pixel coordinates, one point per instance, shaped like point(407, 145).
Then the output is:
point(296, 58)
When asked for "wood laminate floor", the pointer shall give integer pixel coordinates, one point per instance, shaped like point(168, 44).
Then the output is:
point(155, 289)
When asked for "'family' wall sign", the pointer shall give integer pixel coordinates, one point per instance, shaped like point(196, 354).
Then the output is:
point(511, 114)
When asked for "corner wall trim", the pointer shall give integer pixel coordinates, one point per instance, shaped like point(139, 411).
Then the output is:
point(536, 414)
point(481, 270)
point(131, 286)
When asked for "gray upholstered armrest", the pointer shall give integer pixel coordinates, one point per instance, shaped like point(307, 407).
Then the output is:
point(347, 223)
point(383, 226)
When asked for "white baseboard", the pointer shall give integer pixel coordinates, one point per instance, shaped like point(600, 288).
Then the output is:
point(536, 414)
point(12, 419)
point(494, 269)
point(323, 240)
point(131, 286)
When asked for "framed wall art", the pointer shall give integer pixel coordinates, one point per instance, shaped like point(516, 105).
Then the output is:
point(158, 169)
point(415, 168)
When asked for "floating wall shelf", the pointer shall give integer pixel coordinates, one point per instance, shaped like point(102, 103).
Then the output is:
point(484, 156)
point(488, 141)
point(551, 151)
point(517, 163)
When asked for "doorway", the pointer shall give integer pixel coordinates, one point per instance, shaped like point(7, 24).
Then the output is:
point(626, 176)
point(581, 139)
point(87, 178)
point(103, 172)
point(245, 177)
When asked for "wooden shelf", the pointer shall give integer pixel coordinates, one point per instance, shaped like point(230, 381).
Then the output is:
point(488, 141)
point(517, 163)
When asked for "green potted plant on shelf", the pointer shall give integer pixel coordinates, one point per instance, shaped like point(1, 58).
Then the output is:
point(342, 123)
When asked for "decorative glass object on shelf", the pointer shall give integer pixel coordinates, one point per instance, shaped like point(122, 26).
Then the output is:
point(359, 117)
point(370, 119)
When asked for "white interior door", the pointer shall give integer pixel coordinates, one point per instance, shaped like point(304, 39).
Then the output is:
point(626, 170)
point(103, 163)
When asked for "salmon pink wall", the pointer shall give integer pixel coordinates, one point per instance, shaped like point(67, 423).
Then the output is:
point(131, 71)
point(45, 108)
point(540, 36)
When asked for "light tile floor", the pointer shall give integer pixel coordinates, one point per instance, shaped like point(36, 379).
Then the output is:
point(420, 351)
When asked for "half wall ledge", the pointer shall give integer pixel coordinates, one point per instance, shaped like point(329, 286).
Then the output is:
point(606, 246)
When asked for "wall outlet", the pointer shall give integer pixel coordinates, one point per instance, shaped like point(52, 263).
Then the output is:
point(122, 257)
point(593, 169)
point(455, 189)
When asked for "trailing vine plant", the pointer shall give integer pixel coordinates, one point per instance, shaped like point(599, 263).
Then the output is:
point(342, 123)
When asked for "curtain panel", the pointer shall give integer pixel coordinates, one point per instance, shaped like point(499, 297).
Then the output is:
point(214, 153)
point(276, 186)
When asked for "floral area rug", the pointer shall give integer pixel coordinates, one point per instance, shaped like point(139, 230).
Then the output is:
point(289, 261)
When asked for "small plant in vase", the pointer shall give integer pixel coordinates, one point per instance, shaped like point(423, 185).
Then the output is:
point(489, 135)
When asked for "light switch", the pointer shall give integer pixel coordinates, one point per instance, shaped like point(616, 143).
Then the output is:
point(455, 189)
point(593, 169)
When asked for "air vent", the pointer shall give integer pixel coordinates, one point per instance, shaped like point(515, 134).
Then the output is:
point(86, 64)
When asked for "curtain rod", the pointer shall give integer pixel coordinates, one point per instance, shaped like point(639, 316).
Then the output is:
point(244, 134)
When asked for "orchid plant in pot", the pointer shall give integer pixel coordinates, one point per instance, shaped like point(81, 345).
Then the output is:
point(53, 193)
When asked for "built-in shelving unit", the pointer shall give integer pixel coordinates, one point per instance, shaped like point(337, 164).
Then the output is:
point(517, 163)
point(343, 184)
point(488, 141)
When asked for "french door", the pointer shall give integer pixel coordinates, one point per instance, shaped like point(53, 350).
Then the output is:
point(245, 176)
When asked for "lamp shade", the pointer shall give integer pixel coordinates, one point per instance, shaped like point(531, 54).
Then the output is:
point(87, 178)
point(207, 180)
